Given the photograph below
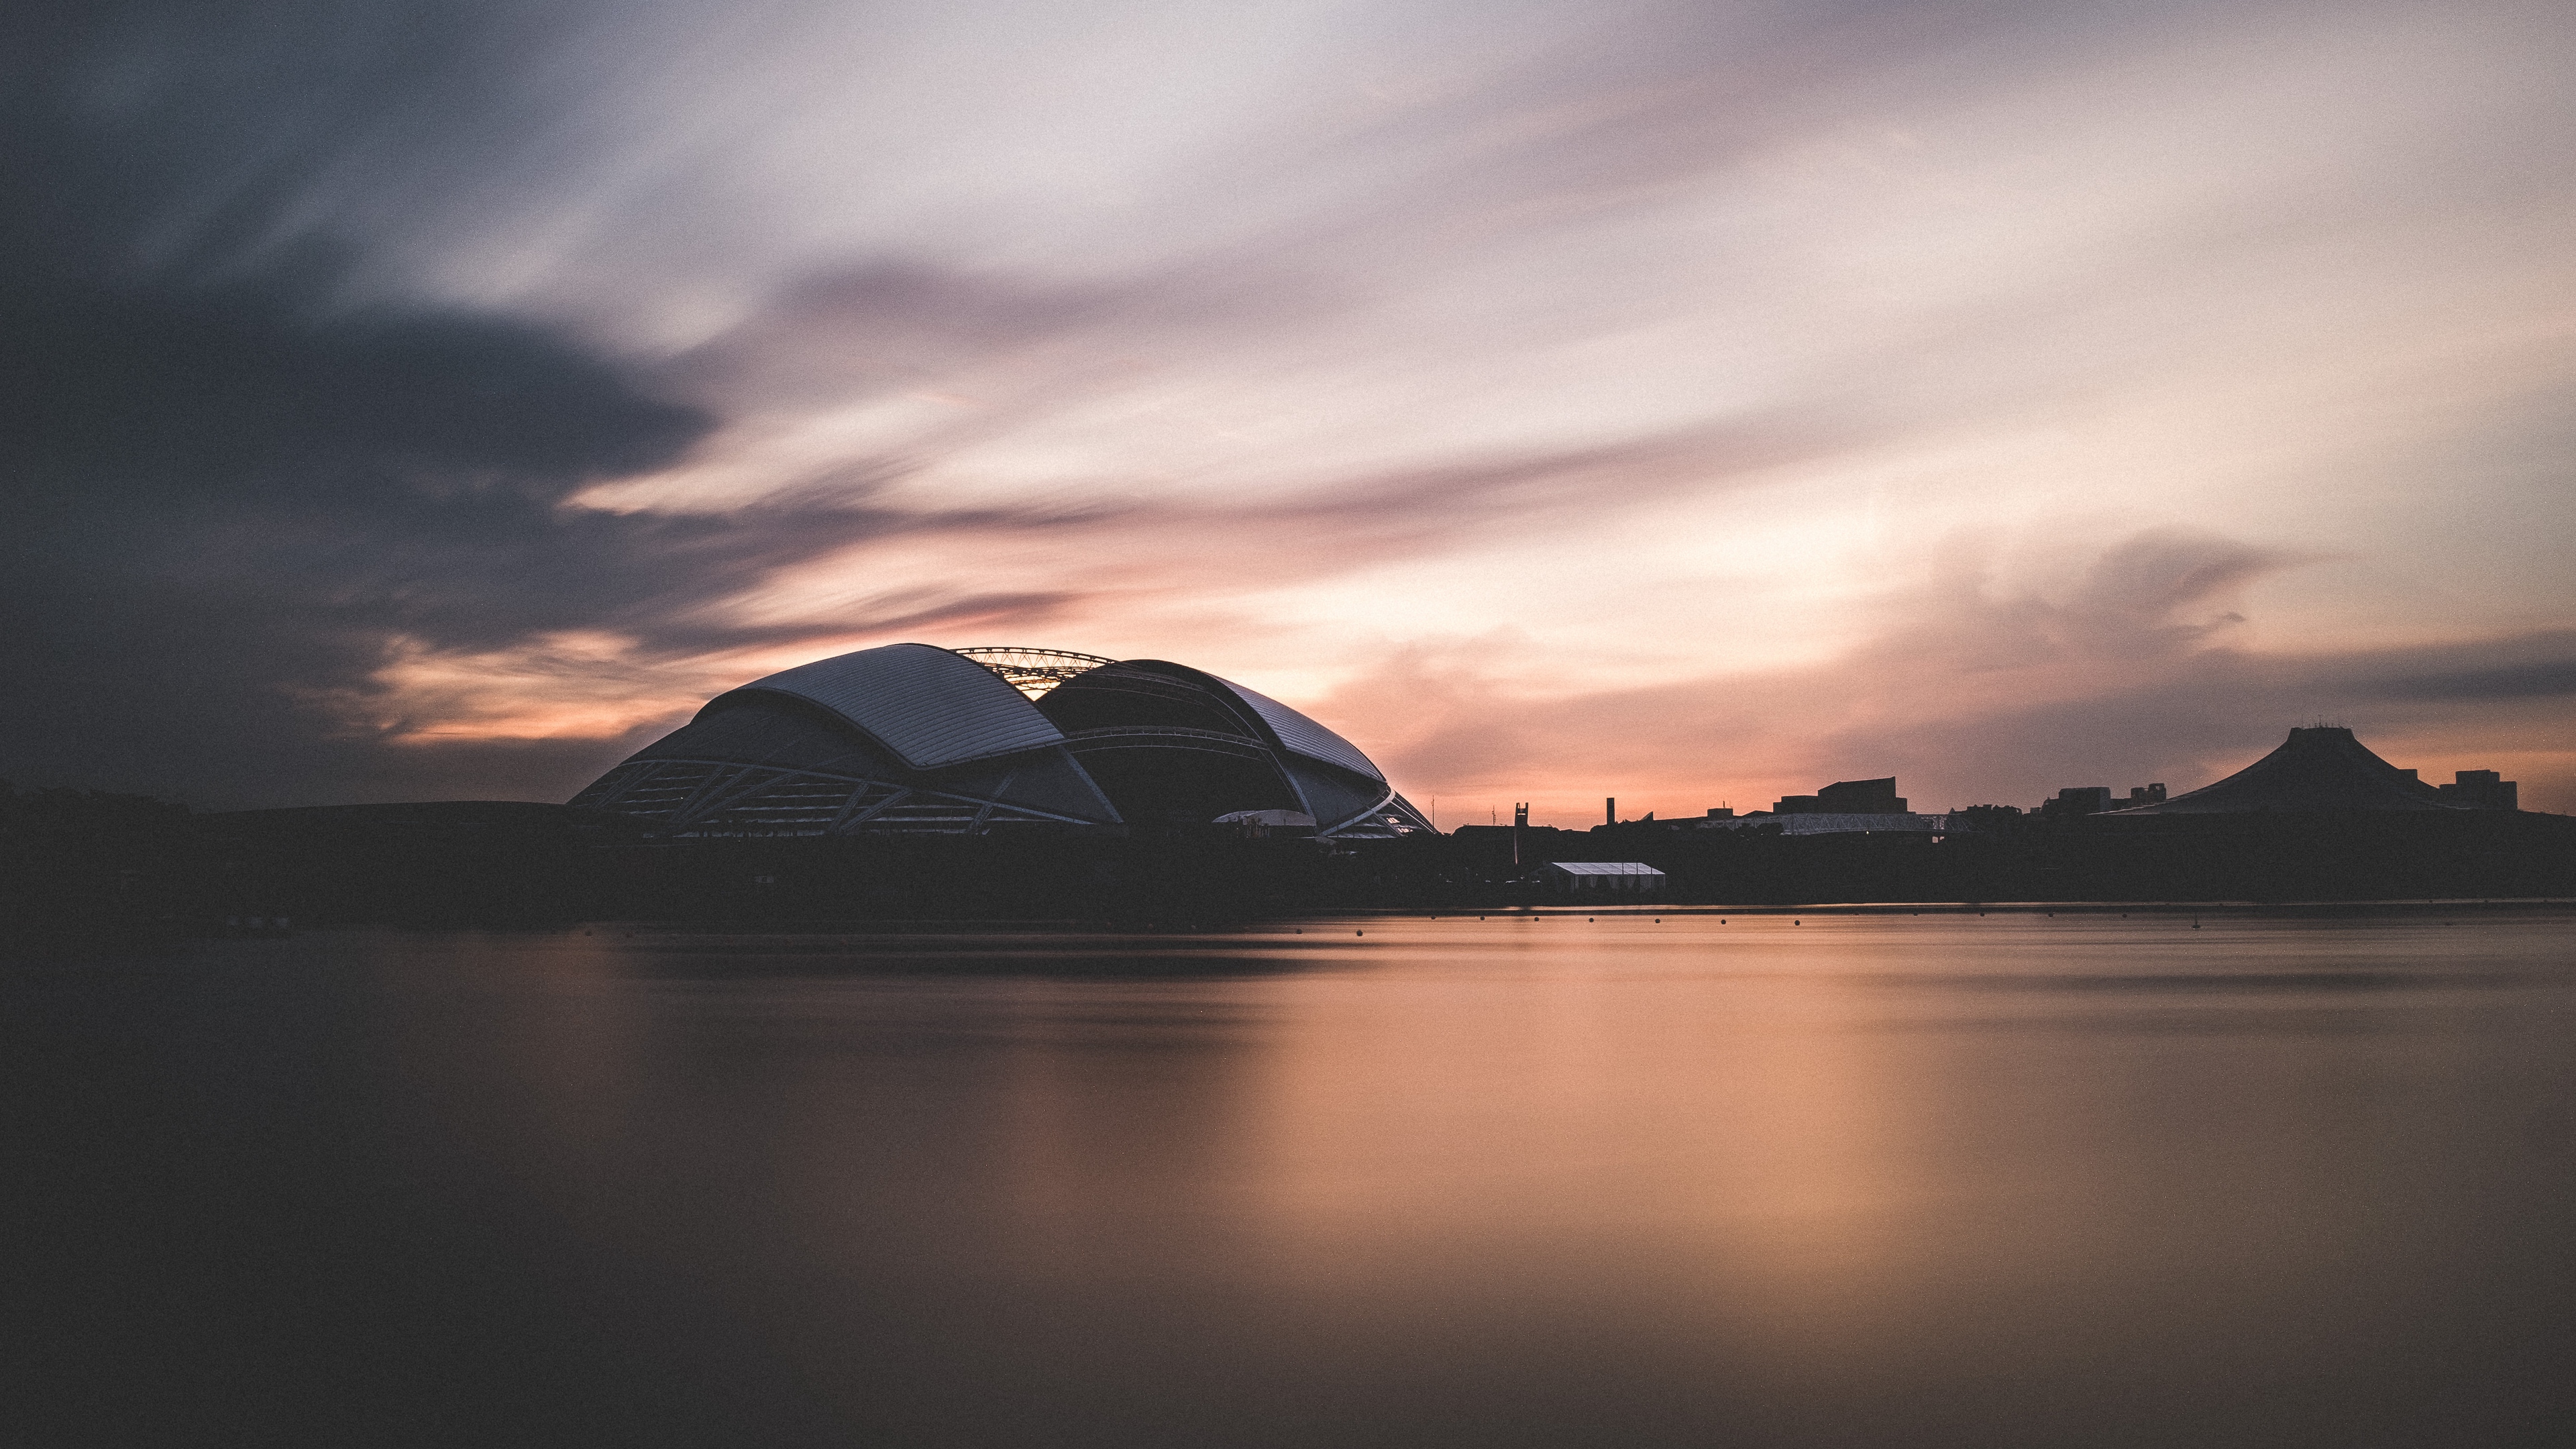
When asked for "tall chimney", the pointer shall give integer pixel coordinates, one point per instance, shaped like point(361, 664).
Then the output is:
point(1610, 808)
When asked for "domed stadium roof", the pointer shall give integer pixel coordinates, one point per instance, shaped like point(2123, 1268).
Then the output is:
point(2317, 769)
point(913, 739)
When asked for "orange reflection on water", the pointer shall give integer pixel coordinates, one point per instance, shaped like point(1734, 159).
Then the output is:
point(1511, 1108)
point(1848, 1177)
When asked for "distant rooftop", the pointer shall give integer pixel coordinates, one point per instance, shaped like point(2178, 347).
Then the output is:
point(2321, 768)
point(1836, 823)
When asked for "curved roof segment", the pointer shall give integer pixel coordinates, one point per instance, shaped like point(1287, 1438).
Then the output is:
point(2319, 769)
point(908, 738)
point(1297, 732)
point(929, 706)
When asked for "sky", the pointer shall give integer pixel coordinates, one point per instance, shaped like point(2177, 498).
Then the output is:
point(1690, 403)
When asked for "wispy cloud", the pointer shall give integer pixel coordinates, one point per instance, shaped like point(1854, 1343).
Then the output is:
point(1970, 695)
point(1722, 396)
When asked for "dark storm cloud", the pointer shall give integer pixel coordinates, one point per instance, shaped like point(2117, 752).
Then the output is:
point(2547, 671)
point(231, 495)
point(222, 508)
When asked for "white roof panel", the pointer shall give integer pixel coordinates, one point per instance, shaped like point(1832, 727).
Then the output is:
point(1304, 735)
point(1603, 867)
point(926, 704)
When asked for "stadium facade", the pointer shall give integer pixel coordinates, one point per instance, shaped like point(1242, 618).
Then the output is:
point(912, 739)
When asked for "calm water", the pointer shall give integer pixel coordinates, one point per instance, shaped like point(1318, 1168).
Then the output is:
point(1941, 1180)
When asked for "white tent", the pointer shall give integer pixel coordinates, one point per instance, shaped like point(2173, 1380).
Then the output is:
point(1625, 877)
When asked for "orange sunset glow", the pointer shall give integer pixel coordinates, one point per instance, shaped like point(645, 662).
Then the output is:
point(1682, 404)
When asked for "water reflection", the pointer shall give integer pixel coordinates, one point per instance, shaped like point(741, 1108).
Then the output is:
point(1937, 1180)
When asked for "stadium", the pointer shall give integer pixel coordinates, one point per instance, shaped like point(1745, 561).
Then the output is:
point(912, 739)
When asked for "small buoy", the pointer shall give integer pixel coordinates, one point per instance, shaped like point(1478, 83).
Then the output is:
point(1797, 923)
point(1359, 933)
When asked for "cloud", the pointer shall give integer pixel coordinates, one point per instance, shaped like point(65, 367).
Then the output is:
point(1722, 397)
point(233, 495)
point(226, 508)
point(2545, 669)
point(1969, 694)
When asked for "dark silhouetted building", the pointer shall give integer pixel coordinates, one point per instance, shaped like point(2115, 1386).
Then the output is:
point(2317, 769)
point(1846, 807)
point(1845, 797)
point(909, 739)
point(2481, 790)
point(2077, 800)
point(1969, 818)
point(2095, 799)
point(1870, 822)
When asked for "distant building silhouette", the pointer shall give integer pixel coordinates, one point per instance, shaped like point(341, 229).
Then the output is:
point(2077, 800)
point(1845, 797)
point(1867, 822)
point(1846, 807)
point(2481, 790)
point(1969, 818)
point(2094, 799)
point(2324, 768)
